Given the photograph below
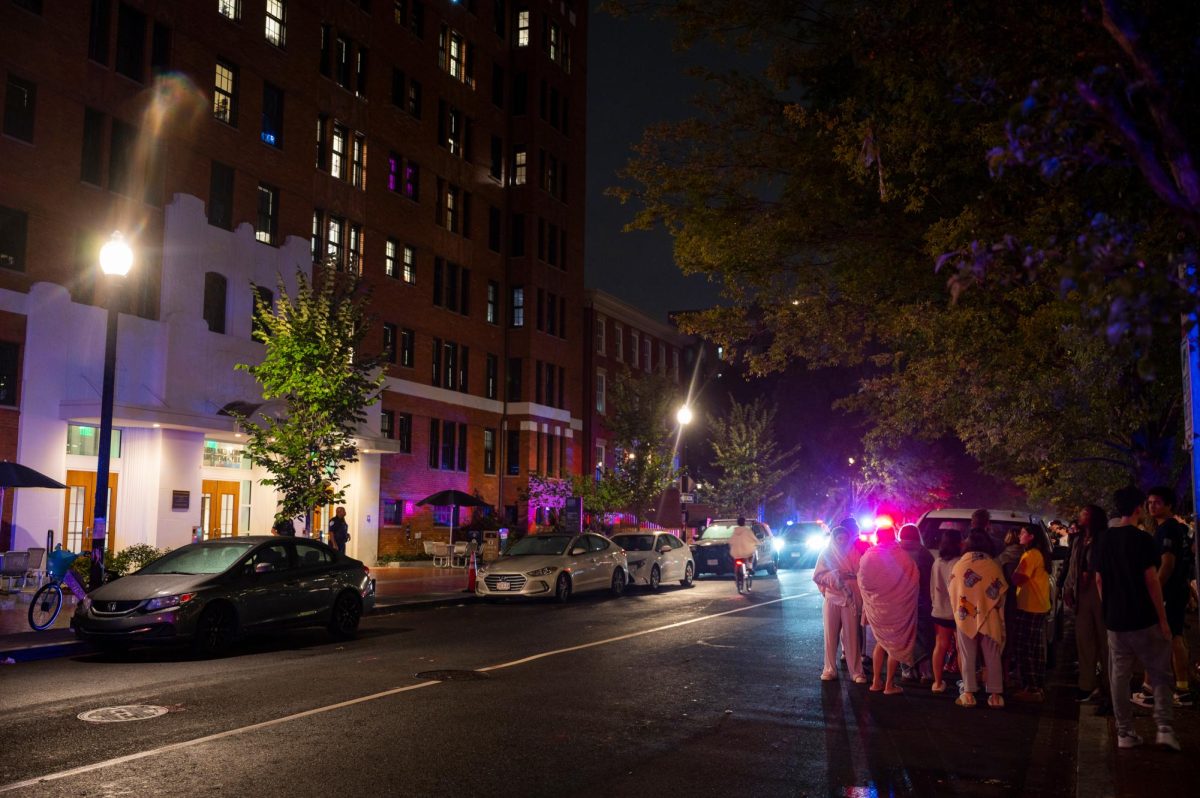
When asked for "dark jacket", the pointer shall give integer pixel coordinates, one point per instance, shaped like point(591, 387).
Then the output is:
point(339, 530)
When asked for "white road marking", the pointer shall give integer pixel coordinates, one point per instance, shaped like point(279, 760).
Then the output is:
point(120, 760)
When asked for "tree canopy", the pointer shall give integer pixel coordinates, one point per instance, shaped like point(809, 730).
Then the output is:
point(984, 204)
point(747, 456)
point(315, 363)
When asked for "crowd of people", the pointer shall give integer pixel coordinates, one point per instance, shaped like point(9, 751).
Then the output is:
point(976, 605)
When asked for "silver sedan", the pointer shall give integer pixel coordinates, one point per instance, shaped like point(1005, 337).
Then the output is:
point(556, 565)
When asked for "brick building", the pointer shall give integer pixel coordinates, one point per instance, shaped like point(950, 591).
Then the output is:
point(626, 340)
point(435, 147)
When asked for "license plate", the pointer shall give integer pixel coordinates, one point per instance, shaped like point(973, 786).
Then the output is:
point(502, 585)
point(713, 562)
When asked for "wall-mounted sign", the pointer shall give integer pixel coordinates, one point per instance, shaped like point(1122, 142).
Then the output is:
point(180, 499)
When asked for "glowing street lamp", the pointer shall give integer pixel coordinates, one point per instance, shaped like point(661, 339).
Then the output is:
point(684, 415)
point(116, 259)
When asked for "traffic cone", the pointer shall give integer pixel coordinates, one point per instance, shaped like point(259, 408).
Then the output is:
point(471, 574)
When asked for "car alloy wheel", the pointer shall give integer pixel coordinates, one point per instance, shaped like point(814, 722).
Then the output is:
point(214, 630)
point(618, 582)
point(689, 576)
point(562, 589)
point(655, 578)
point(345, 615)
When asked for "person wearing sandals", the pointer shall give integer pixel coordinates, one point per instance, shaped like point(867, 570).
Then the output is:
point(889, 581)
point(1032, 581)
point(949, 550)
point(977, 589)
point(836, 574)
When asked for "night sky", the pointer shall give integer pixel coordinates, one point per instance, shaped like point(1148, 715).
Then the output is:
point(634, 79)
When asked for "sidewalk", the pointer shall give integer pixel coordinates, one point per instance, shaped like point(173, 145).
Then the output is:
point(413, 585)
point(1103, 771)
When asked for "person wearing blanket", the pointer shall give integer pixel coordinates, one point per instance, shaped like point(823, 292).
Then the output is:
point(836, 575)
point(888, 581)
point(977, 589)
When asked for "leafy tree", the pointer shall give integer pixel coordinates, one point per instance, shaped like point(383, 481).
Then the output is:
point(314, 363)
point(602, 496)
point(748, 458)
point(882, 142)
point(638, 420)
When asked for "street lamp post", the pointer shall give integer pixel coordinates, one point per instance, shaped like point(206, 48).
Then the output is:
point(116, 258)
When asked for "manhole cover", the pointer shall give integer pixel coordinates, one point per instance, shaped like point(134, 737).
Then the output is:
point(453, 676)
point(122, 714)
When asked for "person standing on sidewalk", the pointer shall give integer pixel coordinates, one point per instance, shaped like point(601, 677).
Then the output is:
point(1126, 566)
point(1032, 580)
point(1174, 569)
point(1080, 596)
point(949, 551)
point(977, 589)
point(339, 530)
point(910, 542)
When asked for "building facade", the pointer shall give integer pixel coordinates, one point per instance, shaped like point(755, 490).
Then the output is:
point(436, 148)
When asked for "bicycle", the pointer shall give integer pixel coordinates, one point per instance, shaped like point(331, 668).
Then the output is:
point(744, 572)
point(48, 600)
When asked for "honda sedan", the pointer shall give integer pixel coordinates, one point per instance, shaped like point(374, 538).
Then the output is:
point(209, 593)
point(555, 565)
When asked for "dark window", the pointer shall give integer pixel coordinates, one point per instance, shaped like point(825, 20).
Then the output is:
point(449, 450)
point(520, 89)
point(13, 227)
point(437, 362)
point(341, 62)
point(404, 432)
point(215, 287)
point(418, 19)
point(537, 382)
point(220, 194)
point(414, 98)
point(512, 453)
point(450, 365)
point(398, 87)
point(516, 307)
point(272, 115)
point(98, 30)
point(326, 49)
point(517, 241)
point(389, 343)
point(20, 100)
point(491, 377)
point(322, 141)
point(121, 155)
point(160, 49)
point(464, 369)
point(514, 379)
point(92, 161)
point(562, 317)
point(387, 424)
point(550, 448)
point(435, 428)
point(131, 43)
point(562, 380)
point(489, 451)
point(360, 73)
point(497, 165)
point(493, 229)
point(9, 375)
point(393, 512)
point(439, 270)
point(462, 447)
point(408, 340)
point(497, 85)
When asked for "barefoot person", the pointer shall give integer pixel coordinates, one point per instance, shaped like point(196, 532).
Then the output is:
point(836, 575)
point(977, 589)
point(889, 581)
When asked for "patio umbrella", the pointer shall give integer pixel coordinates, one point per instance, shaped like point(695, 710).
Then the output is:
point(15, 475)
point(453, 499)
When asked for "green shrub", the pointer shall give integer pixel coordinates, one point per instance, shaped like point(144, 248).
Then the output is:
point(131, 558)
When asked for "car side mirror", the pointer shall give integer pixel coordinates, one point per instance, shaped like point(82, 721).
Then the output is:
point(575, 552)
point(263, 568)
point(664, 548)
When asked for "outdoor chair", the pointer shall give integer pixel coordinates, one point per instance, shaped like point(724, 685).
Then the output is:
point(37, 565)
point(458, 558)
point(15, 566)
point(441, 555)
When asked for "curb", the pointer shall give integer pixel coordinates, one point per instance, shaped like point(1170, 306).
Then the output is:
point(62, 642)
point(1095, 776)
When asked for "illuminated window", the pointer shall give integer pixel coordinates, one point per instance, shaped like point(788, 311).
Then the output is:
point(522, 28)
point(272, 116)
point(410, 265)
point(225, 93)
point(600, 397)
point(333, 240)
point(354, 246)
point(267, 223)
point(337, 159)
point(389, 258)
point(554, 42)
point(520, 164)
point(358, 161)
point(85, 440)
point(274, 28)
point(230, 9)
point(517, 307)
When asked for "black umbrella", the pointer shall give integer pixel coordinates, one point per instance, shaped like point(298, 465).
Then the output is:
point(15, 475)
point(454, 499)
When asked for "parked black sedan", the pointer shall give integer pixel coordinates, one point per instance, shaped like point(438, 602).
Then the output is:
point(209, 593)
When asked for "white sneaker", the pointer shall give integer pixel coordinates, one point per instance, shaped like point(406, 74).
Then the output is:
point(1166, 738)
point(1131, 740)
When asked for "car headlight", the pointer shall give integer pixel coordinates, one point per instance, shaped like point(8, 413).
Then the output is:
point(815, 541)
point(777, 544)
point(549, 569)
point(163, 602)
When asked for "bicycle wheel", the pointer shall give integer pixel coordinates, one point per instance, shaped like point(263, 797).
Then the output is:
point(749, 578)
point(46, 605)
point(741, 579)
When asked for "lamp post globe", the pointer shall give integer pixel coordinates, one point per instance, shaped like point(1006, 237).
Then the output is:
point(684, 415)
point(116, 259)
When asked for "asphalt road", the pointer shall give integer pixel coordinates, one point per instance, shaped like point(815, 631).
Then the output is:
point(697, 691)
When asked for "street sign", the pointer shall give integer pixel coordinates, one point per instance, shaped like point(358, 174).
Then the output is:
point(687, 498)
point(572, 514)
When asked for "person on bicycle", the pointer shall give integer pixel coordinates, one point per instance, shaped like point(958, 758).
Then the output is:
point(742, 544)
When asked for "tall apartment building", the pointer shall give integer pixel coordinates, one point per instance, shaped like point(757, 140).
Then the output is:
point(624, 340)
point(434, 147)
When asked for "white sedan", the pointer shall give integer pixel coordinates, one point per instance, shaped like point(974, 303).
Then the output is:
point(555, 565)
point(656, 557)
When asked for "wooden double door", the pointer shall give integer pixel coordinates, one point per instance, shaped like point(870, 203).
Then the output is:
point(79, 511)
point(220, 501)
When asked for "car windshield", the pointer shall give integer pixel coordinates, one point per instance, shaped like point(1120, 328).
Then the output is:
point(802, 531)
point(533, 545)
point(199, 558)
point(716, 533)
point(635, 542)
